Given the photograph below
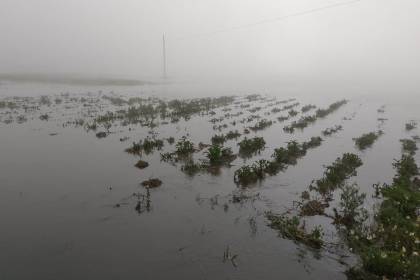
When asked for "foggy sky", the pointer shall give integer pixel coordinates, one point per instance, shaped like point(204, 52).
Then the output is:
point(368, 40)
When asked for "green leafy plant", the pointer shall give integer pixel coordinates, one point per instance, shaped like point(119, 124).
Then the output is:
point(367, 140)
point(250, 146)
point(293, 229)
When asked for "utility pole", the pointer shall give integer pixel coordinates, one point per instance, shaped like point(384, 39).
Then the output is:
point(164, 56)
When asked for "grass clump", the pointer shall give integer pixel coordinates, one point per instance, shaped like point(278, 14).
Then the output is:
point(322, 113)
point(410, 125)
point(218, 155)
point(191, 168)
point(183, 151)
point(332, 130)
point(44, 100)
point(171, 140)
point(300, 124)
point(337, 173)
point(367, 140)
point(409, 146)
point(294, 150)
point(168, 157)
point(312, 143)
point(218, 139)
point(351, 212)
point(249, 174)
point(44, 117)
point(282, 157)
point(292, 228)
point(291, 106)
point(313, 207)
point(184, 147)
point(253, 97)
point(116, 101)
point(293, 113)
point(262, 124)
point(389, 248)
point(307, 108)
point(283, 118)
point(245, 175)
point(290, 154)
point(8, 104)
point(148, 145)
point(233, 135)
point(249, 146)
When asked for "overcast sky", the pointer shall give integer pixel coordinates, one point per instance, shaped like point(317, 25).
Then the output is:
point(374, 39)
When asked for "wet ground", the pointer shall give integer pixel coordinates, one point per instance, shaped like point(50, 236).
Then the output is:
point(72, 205)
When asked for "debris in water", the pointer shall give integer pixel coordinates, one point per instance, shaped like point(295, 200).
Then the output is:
point(152, 183)
point(101, 134)
point(142, 164)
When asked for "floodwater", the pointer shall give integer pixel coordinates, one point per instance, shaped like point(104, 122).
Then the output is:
point(67, 208)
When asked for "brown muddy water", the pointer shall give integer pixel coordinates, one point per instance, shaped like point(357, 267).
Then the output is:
point(72, 205)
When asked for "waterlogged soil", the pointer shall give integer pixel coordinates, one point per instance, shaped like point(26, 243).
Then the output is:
point(72, 205)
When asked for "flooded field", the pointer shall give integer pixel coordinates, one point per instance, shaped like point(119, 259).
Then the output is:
point(143, 183)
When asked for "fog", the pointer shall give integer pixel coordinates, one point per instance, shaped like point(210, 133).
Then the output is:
point(209, 139)
point(371, 42)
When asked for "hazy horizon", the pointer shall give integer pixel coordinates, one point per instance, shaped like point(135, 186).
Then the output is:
point(365, 42)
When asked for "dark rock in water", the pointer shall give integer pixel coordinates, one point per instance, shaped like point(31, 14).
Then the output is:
point(152, 183)
point(142, 164)
point(101, 134)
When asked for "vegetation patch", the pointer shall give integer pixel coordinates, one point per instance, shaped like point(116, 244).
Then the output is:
point(292, 228)
point(332, 130)
point(322, 113)
point(249, 146)
point(409, 146)
point(351, 212)
point(307, 108)
point(389, 248)
point(294, 150)
point(300, 124)
point(283, 118)
point(44, 117)
point(281, 158)
point(337, 173)
point(218, 155)
point(367, 140)
point(141, 164)
point(262, 124)
point(313, 207)
point(249, 174)
point(101, 134)
point(218, 139)
point(289, 154)
point(184, 147)
point(410, 125)
point(191, 168)
point(148, 145)
point(233, 135)
point(293, 113)
point(152, 183)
